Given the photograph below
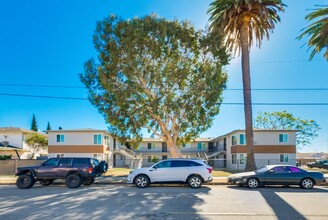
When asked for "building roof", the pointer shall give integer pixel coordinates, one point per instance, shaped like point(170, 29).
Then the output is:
point(15, 129)
point(9, 148)
point(201, 139)
point(78, 130)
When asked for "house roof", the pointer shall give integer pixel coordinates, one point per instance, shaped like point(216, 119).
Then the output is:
point(201, 139)
point(78, 130)
point(15, 129)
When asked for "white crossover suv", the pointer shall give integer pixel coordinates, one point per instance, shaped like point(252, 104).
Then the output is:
point(191, 171)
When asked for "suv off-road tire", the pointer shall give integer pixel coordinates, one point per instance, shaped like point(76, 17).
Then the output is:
point(25, 181)
point(195, 181)
point(88, 181)
point(73, 181)
point(46, 182)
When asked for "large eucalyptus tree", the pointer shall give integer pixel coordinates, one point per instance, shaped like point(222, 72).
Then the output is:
point(242, 22)
point(156, 75)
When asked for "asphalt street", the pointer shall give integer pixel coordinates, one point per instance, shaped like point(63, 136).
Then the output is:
point(169, 202)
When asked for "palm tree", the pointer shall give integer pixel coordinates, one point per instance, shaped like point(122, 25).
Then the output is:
point(242, 22)
point(318, 31)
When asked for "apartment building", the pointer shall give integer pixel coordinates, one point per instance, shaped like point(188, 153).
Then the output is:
point(227, 151)
point(81, 143)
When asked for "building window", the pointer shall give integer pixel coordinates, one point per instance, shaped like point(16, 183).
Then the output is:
point(164, 157)
point(151, 146)
point(98, 156)
point(60, 155)
point(233, 158)
point(233, 140)
point(149, 159)
point(242, 139)
point(283, 138)
point(201, 146)
point(284, 158)
point(242, 159)
point(60, 138)
point(187, 145)
point(97, 139)
point(107, 141)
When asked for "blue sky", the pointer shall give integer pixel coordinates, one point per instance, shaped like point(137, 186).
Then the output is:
point(47, 42)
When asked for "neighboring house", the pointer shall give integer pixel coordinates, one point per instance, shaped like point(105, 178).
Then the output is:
point(270, 147)
point(12, 142)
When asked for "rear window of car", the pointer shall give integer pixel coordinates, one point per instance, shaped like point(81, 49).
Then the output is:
point(94, 162)
point(82, 161)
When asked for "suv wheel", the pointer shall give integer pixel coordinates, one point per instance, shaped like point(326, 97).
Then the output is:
point(195, 181)
point(46, 182)
point(73, 181)
point(88, 181)
point(25, 181)
point(141, 181)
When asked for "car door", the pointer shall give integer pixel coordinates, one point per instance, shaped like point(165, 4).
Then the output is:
point(180, 170)
point(64, 164)
point(48, 168)
point(161, 171)
point(278, 175)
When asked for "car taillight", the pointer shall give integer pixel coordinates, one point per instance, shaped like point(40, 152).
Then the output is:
point(209, 170)
point(90, 170)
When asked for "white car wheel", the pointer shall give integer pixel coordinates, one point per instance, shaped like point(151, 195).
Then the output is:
point(195, 181)
point(253, 183)
point(141, 181)
point(307, 183)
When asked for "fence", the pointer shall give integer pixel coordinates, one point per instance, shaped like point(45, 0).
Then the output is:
point(8, 167)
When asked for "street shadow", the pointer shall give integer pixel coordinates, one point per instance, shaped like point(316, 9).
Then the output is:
point(281, 208)
point(101, 202)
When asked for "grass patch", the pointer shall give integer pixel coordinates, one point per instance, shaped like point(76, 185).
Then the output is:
point(222, 172)
point(118, 171)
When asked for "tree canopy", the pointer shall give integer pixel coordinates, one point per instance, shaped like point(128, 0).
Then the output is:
point(34, 125)
point(154, 74)
point(36, 142)
point(317, 31)
point(283, 120)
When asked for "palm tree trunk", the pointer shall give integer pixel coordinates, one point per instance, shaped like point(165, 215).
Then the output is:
point(245, 47)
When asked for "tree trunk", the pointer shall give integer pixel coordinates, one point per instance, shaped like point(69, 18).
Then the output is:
point(174, 151)
point(245, 47)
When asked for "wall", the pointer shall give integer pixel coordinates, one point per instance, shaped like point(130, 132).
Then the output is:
point(8, 167)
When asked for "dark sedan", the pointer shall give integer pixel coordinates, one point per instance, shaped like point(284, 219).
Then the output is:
point(278, 175)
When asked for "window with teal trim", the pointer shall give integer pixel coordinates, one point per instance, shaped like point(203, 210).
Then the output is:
point(242, 139)
point(283, 138)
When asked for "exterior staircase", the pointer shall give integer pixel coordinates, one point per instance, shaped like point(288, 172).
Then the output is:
point(131, 155)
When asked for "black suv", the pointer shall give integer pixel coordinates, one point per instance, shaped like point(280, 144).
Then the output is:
point(75, 171)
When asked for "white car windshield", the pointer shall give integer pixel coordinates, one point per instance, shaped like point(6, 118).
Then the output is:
point(262, 169)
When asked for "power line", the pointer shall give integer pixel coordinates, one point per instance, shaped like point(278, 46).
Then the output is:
point(223, 103)
point(232, 89)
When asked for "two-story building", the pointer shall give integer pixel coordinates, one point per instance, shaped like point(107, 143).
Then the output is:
point(81, 143)
point(270, 147)
point(12, 143)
